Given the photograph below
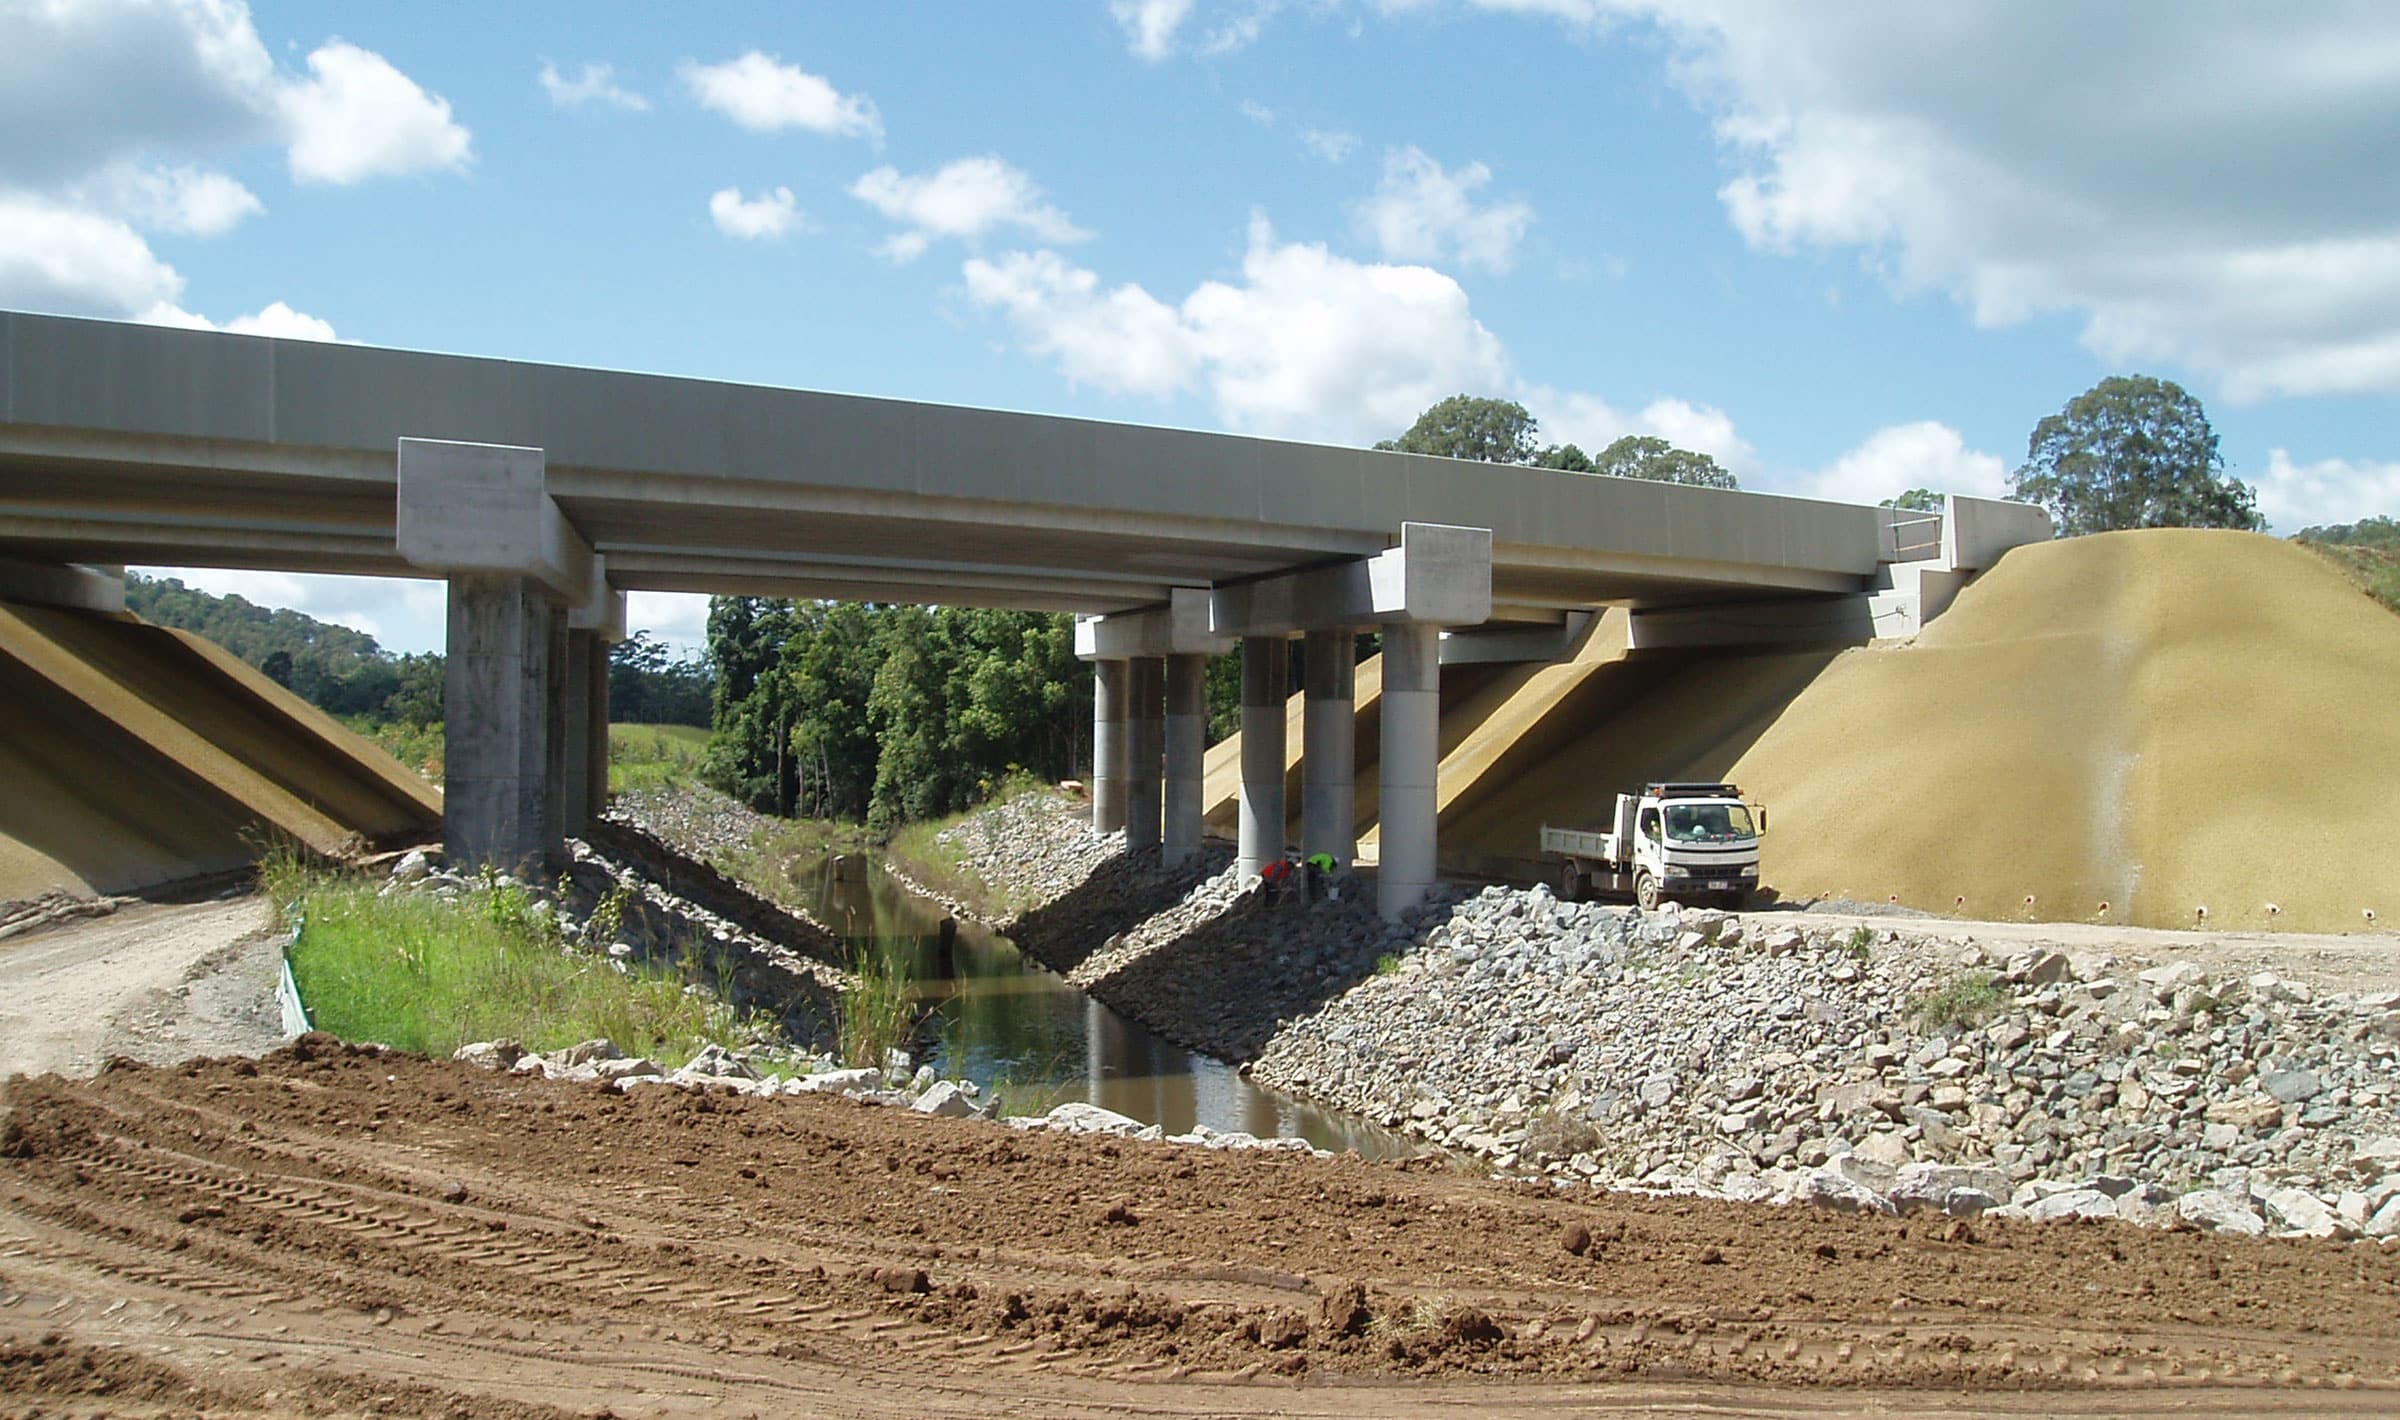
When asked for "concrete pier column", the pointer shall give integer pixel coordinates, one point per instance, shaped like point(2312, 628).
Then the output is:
point(595, 738)
point(1186, 748)
point(1264, 660)
point(1328, 752)
point(1412, 713)
point(583, 697)
point(498, 785)
point(1108, 746)
point(1145, 746)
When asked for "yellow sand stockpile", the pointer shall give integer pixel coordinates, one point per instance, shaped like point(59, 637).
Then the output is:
point(2159, 720)
point(2156, 720)
point(131, 756)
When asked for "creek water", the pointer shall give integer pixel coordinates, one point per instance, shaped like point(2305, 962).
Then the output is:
point(1003, 1020)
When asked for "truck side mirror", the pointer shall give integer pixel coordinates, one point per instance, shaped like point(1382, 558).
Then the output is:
point(1758, 816)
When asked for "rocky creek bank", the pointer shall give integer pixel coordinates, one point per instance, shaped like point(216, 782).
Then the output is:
point(1757, 1057)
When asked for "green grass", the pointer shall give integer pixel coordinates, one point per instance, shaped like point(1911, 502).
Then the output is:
point(2374, 570)
point(415, 972)
point(781, 862)
point(1965, 1001)
point(417, 746)
point(918, 851)
point(878, 1012)
point(653, 756)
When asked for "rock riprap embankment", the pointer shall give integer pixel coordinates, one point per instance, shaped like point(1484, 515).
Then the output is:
point(1763, 1057)
point(1746, 1057)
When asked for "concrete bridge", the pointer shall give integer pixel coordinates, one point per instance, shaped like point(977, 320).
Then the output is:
point(543, 493)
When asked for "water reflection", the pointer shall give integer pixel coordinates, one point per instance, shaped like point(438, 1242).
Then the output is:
point(1004, 1021)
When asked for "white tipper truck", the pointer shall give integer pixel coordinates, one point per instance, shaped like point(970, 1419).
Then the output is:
point(1689, 842)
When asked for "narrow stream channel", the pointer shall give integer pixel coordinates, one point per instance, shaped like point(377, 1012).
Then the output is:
point(1003, 1020)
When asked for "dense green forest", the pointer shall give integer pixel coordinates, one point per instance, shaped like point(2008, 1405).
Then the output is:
point(345, 673)
point(889, 713)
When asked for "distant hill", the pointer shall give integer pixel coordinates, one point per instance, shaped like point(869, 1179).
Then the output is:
point(339, 670)
point(344, 672)
point(2368, 551)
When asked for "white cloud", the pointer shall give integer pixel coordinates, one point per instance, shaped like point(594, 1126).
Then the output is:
point(1592, 424)
point(763, 94)
point(1307, 344)
point(1125, 341)
point(186, 200)
point(965, 199)
point(768, 215)
point(678, 618)
point(1925, 454)
point(592, 84)
point(2295, 495)
point(357, 117)
point(2198, 191)
point(276, 320)
point(1329, 144)
point(1420, 212)
point(56, 257)
point(1150, 25)
point(1258, 113)
point(83, 85)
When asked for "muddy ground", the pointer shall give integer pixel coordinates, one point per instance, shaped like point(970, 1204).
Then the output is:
point(338, 1231)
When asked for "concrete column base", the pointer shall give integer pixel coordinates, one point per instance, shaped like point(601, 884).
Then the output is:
point(1263, 692)
point(1108, 746)
point(1328, 746)
point(500, 804)
point(595, 737)
point(1186, 727)
point(1412, 713)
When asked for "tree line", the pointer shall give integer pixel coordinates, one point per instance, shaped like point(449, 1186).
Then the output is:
point(882, 713)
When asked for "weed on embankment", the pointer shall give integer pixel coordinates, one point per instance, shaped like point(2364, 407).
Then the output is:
point(421, 972)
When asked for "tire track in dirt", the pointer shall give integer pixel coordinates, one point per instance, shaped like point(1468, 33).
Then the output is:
point(383, 1218)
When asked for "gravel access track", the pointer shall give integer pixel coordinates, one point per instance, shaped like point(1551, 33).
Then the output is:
point(338, 1230)
point(159, 983)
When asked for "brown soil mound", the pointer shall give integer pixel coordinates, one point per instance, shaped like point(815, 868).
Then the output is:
point(415, 1237)
point(135, 756)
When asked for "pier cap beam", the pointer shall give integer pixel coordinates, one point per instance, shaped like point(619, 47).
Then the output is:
point(486, 509)
point(1439, 575)
point(1179, 627)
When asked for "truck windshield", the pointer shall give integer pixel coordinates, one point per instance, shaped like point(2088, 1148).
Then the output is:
point(1708, 823)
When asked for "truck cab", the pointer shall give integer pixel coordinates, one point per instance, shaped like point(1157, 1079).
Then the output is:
point(1691, 842)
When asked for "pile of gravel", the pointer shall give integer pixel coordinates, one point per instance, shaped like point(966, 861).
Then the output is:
point(1035, 847)
point(1753, 1057)
point(1693, 1050)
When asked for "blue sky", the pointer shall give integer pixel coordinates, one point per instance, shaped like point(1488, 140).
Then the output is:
point(1845, 251)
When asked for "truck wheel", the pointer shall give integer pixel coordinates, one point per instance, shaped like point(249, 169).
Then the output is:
point(1570, 882)
point(1645, 892)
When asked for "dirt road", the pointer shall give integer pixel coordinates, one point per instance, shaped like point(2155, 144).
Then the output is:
point(156, 982)
point(2363, 961)
point(333, 1231)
